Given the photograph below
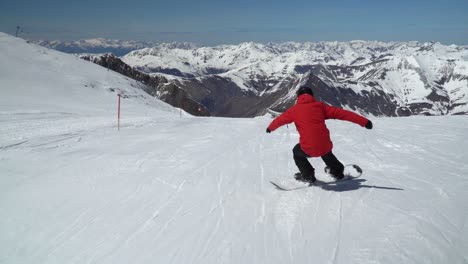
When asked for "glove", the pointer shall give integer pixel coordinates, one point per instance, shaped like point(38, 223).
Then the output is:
point(369, 125)
point(268, 130)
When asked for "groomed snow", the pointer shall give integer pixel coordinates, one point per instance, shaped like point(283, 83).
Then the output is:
point(166, 189)
point(196, 190)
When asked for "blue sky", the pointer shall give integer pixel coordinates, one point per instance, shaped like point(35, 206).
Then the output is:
point(212, 22)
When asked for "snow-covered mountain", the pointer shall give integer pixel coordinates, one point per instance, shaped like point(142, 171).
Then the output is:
point(97, 45)
point(379, 78)
point(166, 189)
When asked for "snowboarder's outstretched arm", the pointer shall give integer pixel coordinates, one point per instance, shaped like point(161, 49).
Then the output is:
point(341, 114)
point(283, 119)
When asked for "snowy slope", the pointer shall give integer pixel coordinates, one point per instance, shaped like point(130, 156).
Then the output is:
point(35, 78)
point(167, 189)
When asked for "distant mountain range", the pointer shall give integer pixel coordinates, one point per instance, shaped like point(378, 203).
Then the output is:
point(96, 46)
point(374, 78)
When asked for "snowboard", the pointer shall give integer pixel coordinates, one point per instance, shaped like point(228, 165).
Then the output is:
point(352, 171)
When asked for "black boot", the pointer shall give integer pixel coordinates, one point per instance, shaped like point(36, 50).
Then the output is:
point(337, 175)
point(334, 167)
point(310, 178)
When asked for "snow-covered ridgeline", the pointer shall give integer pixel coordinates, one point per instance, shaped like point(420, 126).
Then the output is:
point(195, 60)
point(411, 73)
point(96, 45)
point(424, 78)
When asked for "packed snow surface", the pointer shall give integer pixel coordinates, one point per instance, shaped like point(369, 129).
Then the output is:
point(172, 189)
point(196, 190)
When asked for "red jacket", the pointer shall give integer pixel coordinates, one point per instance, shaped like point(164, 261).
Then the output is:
point(309, 117)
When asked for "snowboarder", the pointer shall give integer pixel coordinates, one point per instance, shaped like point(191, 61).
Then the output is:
point(309, 117)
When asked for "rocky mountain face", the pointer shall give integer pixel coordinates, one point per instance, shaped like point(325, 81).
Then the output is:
point(381, 79)
point(157, 86)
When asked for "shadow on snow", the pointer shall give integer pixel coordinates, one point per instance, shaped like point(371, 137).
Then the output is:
point(354, 185)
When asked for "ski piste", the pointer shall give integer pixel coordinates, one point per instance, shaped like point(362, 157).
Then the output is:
point(348, 176)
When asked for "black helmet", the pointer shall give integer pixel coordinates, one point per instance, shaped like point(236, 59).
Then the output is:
point(303, 90)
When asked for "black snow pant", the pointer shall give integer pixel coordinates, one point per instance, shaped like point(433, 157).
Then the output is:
point(306, 169)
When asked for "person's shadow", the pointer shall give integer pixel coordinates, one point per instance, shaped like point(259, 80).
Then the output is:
point(351, 185)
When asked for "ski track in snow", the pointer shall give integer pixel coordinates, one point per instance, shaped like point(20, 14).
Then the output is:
point(196, 190)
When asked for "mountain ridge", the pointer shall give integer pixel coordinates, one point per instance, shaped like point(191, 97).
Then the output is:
point(404, 78)
point(371, 77)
